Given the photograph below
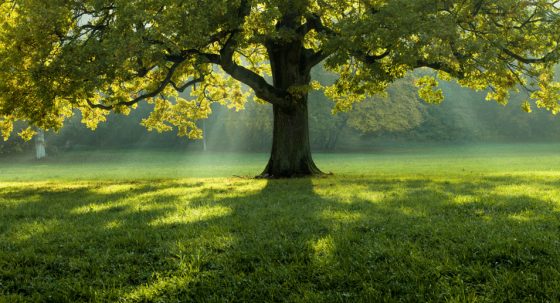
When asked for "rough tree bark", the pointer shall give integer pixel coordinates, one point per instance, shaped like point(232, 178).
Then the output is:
point(291, 150)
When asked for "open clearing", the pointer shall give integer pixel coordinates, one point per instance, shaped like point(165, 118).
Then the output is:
point(461, 224)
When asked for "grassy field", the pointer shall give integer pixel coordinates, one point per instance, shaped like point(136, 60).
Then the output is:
point(453, 224)
point(399, 161)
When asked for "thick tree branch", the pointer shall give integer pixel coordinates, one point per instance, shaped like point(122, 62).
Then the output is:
point(314, 58)
point(181, 88)
point(262, 89)
point(552, 56)
point(151, 94)
point(314, 22)
point(257, 83)
point(440, 66)
point(371, 59)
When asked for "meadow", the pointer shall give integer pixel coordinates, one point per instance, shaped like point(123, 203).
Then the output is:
point(471, 223)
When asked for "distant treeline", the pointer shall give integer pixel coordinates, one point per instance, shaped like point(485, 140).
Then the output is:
point(399, 118)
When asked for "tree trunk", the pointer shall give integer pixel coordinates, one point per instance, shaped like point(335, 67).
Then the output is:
point(334, 135)
point(291, 151)
point(40, 145)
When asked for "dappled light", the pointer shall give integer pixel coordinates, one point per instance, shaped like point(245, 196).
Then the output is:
point(191, 215)
point(230, 237)
point(279, 151)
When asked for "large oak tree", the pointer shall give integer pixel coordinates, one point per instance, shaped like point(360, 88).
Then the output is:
point(57, 56)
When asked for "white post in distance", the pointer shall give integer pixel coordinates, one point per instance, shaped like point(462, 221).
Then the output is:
point(40, 145)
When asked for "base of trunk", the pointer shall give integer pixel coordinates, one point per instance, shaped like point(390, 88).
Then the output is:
point(290, 156)
point(281, 169)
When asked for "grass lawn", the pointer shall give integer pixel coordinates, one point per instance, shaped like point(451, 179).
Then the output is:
point(454, 224)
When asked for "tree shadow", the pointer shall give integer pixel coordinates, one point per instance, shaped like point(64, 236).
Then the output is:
point(332, 239)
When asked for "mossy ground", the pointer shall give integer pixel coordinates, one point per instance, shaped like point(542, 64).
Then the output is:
point(443, 225)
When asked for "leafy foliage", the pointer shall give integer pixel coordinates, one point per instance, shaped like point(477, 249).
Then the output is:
point(98, 55)
point(399, 111)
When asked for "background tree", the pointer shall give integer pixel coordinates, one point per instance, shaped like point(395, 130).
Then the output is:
point(102, 55)
point(40, 152)
point(399, 111)
point(249, 129)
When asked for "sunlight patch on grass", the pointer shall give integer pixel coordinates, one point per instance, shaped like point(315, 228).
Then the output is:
point(109, 188)
point(342, 216)
point(324, 249)
point(483, 215)
point(191, 215)
point(533, 189)
point(7, 185)
point(232, 187)
point(17, 199)
point(370, 196)
point(102, 206)
point(530, 173)
point(526, 216)
point(412, 212)
point(154, 291)
point(343, 193)
point(114, 224)
point(25, 231)
point(464, 199)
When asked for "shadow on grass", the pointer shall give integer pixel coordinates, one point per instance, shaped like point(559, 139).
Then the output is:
point(333, 239)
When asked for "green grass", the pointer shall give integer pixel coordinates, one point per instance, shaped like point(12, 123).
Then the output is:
point(467, 224)
point(161, 164)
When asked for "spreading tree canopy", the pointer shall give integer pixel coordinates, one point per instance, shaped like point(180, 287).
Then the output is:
point(95, 56)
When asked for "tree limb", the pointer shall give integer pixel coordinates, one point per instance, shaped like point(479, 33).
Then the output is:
point(186, 85)
point(151, 94)
point(546, 58)
point(262, 89)
point(314, 58)
point(440, 66)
